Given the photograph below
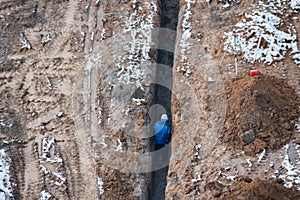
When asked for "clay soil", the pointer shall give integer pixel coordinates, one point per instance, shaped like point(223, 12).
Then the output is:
point(258, 189)
point(261, 113)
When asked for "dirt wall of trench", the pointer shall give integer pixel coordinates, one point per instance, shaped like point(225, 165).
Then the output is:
point(202, 165)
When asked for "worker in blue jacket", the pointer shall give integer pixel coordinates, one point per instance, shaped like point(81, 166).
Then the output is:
point(162, 131)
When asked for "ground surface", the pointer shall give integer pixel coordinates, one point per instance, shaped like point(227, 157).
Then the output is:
point(212, 113)
point(76, 94)
point(51, 109)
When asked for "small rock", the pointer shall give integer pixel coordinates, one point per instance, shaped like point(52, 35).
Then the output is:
point(255, 147)
point(256, 93)
point(248, 136)
point(287, 126)
point(263, 134)
point(297, 141)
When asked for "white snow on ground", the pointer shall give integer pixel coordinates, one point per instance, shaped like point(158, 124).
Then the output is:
point(45, 195)
point(59, 114)
point(197, 149)
point(225, 3)
point(103, 140)
point(292, 175)
point(120, 146)
point(138, 102)
point(5, 123)
point(298, 126)
point(295, 4)
point(224, 176)
point(296, 58)
point(261, 156)
point(100, 187)
point(260, 36)
point(249, 163)
point(46, 38)
point(228, 3)
point(197, 178)
point(184, 64)
point(103, 32)
point(51, 156)
point(25, 43)
point(50, 86)
point(140, 26)
point(97, 2)
point(133, 63)
point(5, 184)
point(99, 116)
point(93, 36)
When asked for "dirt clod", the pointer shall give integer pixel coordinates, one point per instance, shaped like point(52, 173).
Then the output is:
point(260, 189)
point(260, 113)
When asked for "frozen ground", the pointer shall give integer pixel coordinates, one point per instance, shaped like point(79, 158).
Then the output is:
point(260, 35)
point(6, 189)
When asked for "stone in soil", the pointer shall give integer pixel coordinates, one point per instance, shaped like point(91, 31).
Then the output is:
point(261, 112)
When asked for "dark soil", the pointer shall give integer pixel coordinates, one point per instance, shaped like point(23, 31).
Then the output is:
point(261, 113)
point(258, 189)
point(163, 95)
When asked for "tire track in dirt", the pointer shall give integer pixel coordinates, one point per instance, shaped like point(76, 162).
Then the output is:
point(57, 46)
point(48, 109)
point(32, 174)
point(83, 138)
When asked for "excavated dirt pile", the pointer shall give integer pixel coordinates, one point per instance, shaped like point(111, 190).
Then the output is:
point(260, 189)
point(261, 113)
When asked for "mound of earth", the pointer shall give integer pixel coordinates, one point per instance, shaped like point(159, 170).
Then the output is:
point(260, 189)
point(261, 112)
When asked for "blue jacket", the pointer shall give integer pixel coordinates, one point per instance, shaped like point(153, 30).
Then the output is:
point(162, 132)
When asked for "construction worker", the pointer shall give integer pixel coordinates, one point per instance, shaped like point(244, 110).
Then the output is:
point(162, 132)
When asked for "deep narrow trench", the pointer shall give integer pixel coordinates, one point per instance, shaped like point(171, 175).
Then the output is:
point(168, 19)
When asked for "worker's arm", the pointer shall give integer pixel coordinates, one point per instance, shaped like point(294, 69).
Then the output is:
point(168, 135)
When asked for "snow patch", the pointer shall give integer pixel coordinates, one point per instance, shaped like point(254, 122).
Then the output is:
point(103, 32)
point(45, 195)
point(103, 140)
point(292, 175)
point(261, 156)
point(25, 43)
point(100, 187)
point(197, 148)
point(264, 24)
point(140, 25)
point(51, 156)
point(5, 123)
point(295, 4)
point(6, 190)
point(184, 65)
point(227, 177)
point(99, 116)
point(249, 163)
point(296, 58)
point(98, 2)
point(93, 36)
point(138, 102)
point(46, 38)
point(197, 179)
point(120, 146)
point(225, 3)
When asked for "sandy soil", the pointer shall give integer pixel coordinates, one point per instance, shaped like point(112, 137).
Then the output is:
point(74, 108)
point(47, 93)
point(200, 155)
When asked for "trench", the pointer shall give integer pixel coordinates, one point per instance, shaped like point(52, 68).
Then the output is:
point(163, 95)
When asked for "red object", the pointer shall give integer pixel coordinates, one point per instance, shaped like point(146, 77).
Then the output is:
point(254, 72)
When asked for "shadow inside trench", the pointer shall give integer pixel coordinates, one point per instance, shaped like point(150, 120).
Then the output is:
point(163, 97)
